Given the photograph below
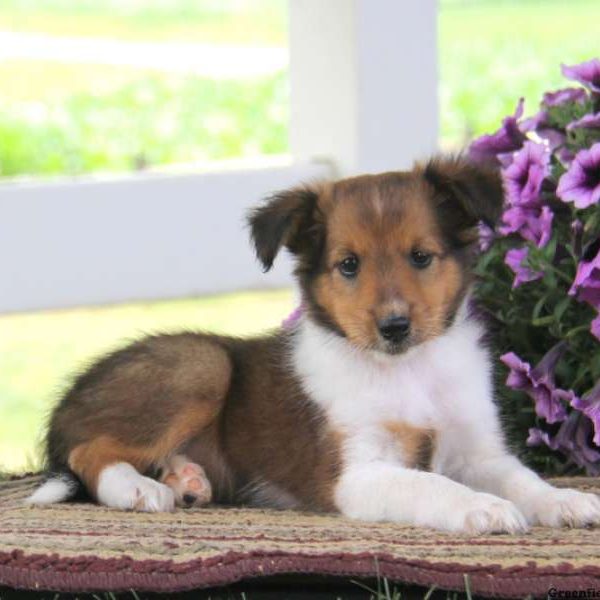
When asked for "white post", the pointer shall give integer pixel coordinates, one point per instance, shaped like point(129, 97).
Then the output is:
point(363, 82)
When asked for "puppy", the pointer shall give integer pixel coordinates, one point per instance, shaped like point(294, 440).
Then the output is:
point(377, 404)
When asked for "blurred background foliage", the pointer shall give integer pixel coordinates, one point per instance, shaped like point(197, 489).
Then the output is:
point(76, 116)
point(80, 117)
point(237, 22)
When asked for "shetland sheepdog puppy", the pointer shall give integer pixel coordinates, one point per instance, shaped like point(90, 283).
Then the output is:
point(377, 403)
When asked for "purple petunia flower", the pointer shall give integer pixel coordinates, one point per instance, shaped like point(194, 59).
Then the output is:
point(538, 383)
point(586, 285)
point(565, 156)
point(539, 124)
point(551, 137)
point(293, 318)
point(564, 95)
point(587, 73)
point(514, 259)
point(533, 224)
point(572, 440)
point(586, 122)
point(581, 183)
point(523, 181)
point(540, 119)
point(537, 437)
point(507, 139)
point(575, 434)
point(524, 177)
point(505, 159)
point(595, 327)
point(577, 227)
point(486, 236)
point(589, 405)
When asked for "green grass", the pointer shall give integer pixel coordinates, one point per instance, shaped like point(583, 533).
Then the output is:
point(140, 119)
point(41, 351)
point(492, 52)
point(239, 22)
point(67, 118)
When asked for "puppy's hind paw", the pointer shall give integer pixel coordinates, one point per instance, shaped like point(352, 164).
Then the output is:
point(188, 482)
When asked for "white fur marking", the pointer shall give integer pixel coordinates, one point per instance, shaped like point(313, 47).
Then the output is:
point(431, 385)
point(445, 385)
point(52, 491)
point(121, 486)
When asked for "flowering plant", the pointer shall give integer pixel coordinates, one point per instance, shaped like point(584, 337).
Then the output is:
point(540, 274)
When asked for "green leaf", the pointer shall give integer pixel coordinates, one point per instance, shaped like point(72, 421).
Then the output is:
point(543, 321)
point(549, 250)
point(561, 307)
point(539, 305)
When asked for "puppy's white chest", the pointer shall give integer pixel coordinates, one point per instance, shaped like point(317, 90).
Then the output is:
point(366, 394)
point(426, 388)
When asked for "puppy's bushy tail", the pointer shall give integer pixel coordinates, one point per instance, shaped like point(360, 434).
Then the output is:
point(58, 487)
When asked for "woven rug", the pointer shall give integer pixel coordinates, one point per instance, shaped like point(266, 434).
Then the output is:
point(83, 547)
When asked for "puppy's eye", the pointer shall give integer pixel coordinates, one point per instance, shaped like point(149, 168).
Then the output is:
point(420, 259)
point(349, 266)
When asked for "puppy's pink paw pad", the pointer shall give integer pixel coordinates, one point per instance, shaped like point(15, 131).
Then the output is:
point(189, 483)
point(192, 469)
point(196, 485)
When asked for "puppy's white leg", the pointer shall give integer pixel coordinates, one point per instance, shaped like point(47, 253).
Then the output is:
point(378, 491)
point(540, 502)
point(479, 460)
point(472, 451)
point(121, 486)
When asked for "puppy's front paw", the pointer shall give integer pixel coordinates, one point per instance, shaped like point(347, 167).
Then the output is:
point(564, 508)
point(485, 513)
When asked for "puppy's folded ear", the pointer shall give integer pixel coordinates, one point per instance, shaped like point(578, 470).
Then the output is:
point(465, 194)
point(287, 218)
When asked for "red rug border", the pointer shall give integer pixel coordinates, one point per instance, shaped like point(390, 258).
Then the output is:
point(489, 580)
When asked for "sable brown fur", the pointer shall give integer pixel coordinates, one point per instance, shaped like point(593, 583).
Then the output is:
point(417, 445)
point(236, 406)
point(232, 406)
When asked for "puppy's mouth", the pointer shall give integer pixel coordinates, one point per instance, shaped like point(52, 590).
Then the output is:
point(376, 344)
point(394, 348)
point(383, 348)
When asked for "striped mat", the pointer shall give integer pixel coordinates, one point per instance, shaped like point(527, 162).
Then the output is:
point(83, 547)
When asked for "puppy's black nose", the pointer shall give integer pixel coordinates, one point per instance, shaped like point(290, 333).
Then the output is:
point(394, 329)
